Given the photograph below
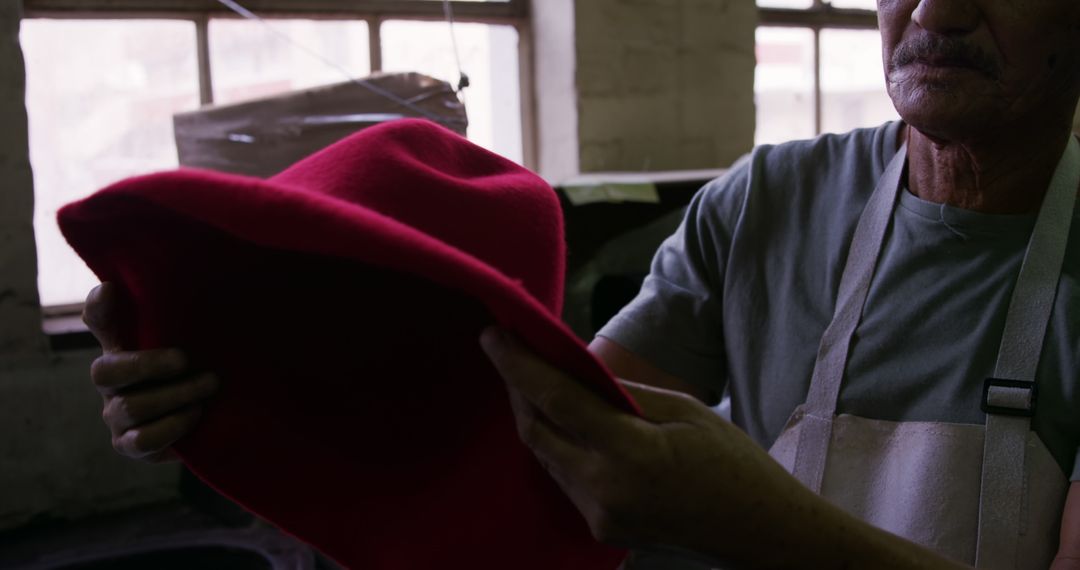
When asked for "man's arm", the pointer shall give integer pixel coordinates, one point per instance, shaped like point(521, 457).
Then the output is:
point(681, 477)
point(1068, 557)
point(627, 365)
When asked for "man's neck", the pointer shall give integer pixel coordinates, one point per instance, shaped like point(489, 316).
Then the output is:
point(1008, 175)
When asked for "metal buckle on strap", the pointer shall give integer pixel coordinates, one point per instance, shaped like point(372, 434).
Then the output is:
point(1009, 397)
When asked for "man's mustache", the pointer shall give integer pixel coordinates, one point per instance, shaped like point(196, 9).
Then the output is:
point(938, 50)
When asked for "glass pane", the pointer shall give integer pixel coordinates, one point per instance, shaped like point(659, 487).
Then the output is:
point(853, 81)
point(859, 4)
point(100, 97)
point(249, 60)
point(785, 3)
point(784, 84)
point(489, 56)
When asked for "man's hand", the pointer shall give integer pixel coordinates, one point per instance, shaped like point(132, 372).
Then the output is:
point(639, 482)
point(681, 477)
point(151, 397)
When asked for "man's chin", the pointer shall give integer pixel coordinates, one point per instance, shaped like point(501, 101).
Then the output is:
point(945, 116)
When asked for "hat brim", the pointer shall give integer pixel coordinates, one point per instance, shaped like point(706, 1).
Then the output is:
point(416, 471)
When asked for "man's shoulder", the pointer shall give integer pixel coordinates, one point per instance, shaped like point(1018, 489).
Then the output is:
point(808, 170)
point(858, 149)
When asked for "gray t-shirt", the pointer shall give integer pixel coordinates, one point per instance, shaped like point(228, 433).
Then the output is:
point(740, 295)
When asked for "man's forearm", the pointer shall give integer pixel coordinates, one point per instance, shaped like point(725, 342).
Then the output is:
point(679, 478)
point(795, 528)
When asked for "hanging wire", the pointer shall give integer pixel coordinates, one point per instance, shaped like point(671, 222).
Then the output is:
point(236, 7)
point(463, 80)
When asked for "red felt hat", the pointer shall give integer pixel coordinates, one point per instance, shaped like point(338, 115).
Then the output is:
point(341, 302)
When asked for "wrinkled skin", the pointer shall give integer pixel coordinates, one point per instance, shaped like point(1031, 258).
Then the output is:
point(968, 69)
point(989, 89)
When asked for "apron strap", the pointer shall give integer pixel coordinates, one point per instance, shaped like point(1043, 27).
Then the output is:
point(820, 408)
point(1009, 398)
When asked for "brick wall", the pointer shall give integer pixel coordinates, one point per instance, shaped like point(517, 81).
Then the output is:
point(55, 456)
point(20, 318)
point(664, 84)
point(659, 84)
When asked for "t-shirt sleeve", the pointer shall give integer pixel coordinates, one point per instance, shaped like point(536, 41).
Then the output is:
point(675, 321)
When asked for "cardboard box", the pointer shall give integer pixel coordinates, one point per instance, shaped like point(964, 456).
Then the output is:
point(264, 136)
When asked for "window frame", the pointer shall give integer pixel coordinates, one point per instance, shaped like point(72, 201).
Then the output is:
point(515, 13)
point(61, 322)
point(820, 16)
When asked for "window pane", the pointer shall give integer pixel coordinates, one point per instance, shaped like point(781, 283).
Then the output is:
point(784, 84)
point(100, 97)
point(248, 60)
point(489, 56)
point(860, 4)
point(785, 3)
point(853, 81)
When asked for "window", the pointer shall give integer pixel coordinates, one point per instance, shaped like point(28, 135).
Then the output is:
point(249, 60)
point(819, 69)
point(497, 127)
point(100, 107)
point(104, 78)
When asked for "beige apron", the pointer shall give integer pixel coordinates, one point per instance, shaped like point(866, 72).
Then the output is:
point(988, 495)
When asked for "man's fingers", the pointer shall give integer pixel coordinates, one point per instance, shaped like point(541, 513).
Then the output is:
point(150, 441)
point(560, 398)
point(114, 371)
point(100, 313)
point(551, 446)
point(661, 406)
point(131, 409)
point(556, 452)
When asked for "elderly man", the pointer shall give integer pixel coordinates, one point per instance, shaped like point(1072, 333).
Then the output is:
point(895, 312)
point(818, 262)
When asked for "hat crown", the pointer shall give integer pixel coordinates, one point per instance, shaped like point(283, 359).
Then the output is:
point(340, 303)
point(433, 180)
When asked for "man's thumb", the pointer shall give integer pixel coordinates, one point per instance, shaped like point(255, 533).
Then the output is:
point(660, 405)
point(101, 315)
